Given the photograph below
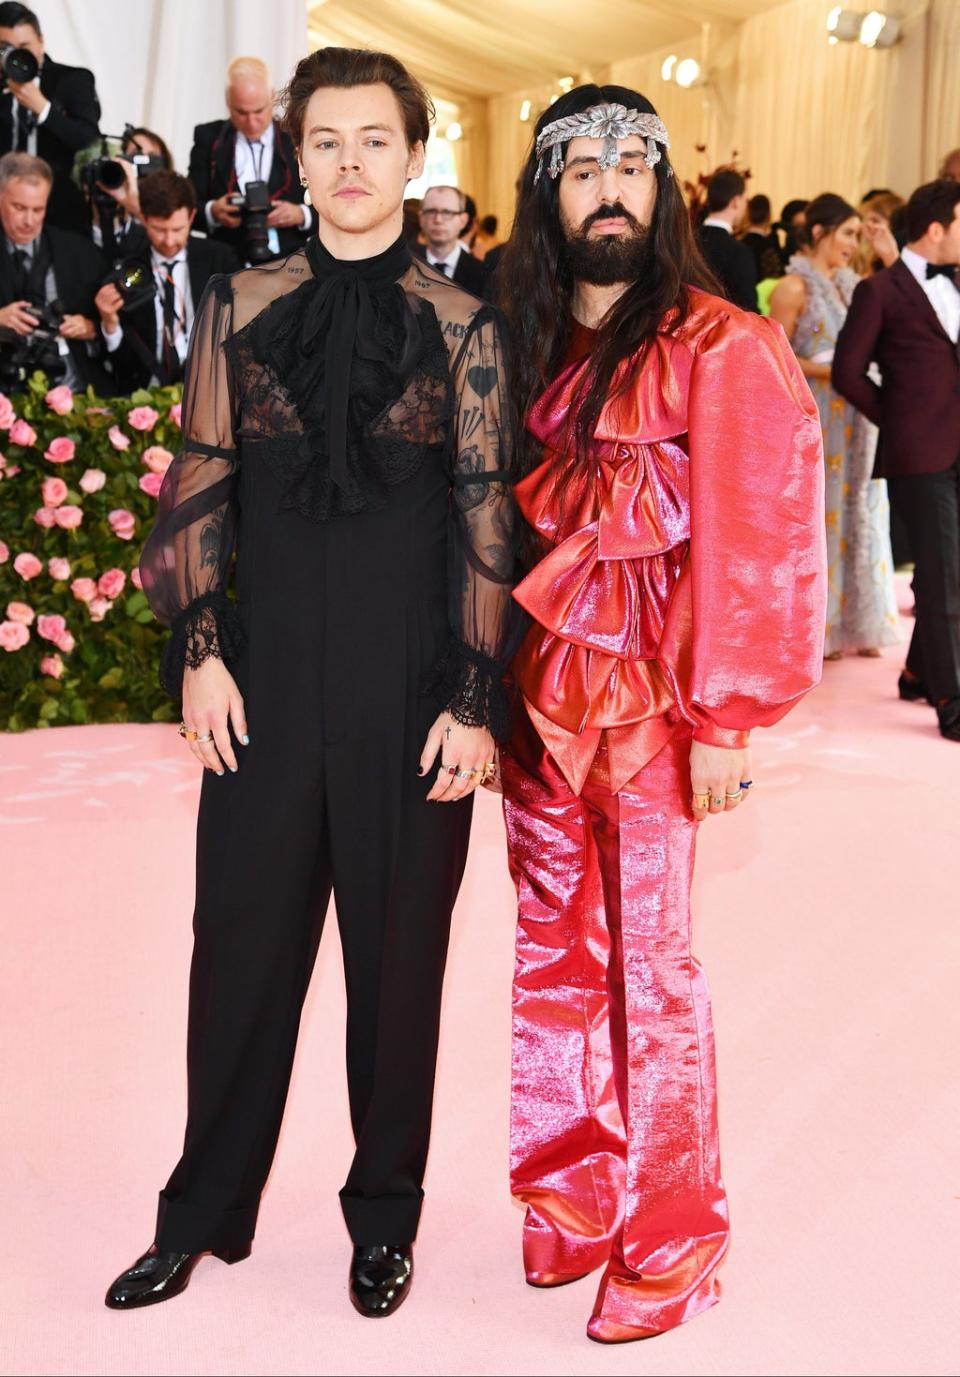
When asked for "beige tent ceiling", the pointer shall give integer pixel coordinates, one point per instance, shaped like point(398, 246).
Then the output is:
point(482, 48)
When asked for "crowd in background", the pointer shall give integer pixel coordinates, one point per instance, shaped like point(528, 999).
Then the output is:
point(108, 250)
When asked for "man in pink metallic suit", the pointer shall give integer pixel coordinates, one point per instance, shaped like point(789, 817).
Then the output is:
point(673, 489)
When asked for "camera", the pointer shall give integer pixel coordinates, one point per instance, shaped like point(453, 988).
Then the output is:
point(254, 205)
point(17, 64)
point(134, 280)
point(21, 355)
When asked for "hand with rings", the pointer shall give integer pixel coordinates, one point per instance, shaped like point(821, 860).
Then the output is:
point(212, 703)
point(720, 779)
point(466, 755)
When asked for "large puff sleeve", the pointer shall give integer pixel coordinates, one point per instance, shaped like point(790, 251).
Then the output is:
point(485, 621)
point(186, 559)
point(744, 634)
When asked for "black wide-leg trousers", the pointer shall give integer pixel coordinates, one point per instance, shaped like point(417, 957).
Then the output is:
point(326, 798)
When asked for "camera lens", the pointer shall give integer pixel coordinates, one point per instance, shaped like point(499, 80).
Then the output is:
point(17, 64)
point(110, 173)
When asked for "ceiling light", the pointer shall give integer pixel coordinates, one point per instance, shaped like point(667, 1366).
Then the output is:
point(844, 25)
point(524, 110)
point(687, 71)
point(666, 71)
point(454, 131)
point(565, 84)
point(879, 30)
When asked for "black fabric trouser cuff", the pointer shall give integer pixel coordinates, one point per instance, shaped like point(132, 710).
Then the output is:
point(184, 1228)
point(381, 1218)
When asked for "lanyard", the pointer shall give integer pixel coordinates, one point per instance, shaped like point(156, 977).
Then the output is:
point(256, 158)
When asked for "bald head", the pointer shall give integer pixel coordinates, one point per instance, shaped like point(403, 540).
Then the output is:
point(249, 96)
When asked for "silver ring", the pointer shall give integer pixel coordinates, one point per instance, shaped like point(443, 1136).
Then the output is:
point(208, 737)
point(464, 774)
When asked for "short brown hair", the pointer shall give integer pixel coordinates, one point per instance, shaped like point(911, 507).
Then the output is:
point(357, 67)
point(723, 186)
point(164, 193)
point(932, 204)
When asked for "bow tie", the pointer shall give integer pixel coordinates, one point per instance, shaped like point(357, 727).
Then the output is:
point(947, 270)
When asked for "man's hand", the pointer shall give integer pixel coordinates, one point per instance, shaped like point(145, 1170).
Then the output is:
point(881, 239)
point(463, 751)
point(716, 775)
point(128, 195)
point(224, 213)
point(78, 327)
point(16, 316)
point(29, 95)
point(109, 302)
point(211, 702)
point(286, 215)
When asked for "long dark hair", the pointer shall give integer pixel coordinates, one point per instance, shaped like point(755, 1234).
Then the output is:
point(534, 285)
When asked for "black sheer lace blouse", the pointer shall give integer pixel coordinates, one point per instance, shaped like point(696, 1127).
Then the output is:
point(349, 376)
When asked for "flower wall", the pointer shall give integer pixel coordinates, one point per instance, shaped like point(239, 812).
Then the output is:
point(79, 479)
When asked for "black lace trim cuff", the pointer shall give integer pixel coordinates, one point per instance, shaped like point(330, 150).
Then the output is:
point(209, 626)
point(470, 686)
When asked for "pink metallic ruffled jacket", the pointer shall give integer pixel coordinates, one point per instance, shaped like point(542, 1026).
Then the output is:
point(686, 579)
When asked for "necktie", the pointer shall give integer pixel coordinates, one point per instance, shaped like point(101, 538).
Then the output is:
point(21, 272)
point(171, 360)
point(947, 270)
point(26, 120)
point(442, 268)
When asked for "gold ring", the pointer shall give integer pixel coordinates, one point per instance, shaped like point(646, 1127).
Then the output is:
point(184, 731)
point(737, 795)
point(701, 800)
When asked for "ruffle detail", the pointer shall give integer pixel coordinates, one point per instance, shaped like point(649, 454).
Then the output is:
point(400, 396)
point(208, 628)
point(470, 686)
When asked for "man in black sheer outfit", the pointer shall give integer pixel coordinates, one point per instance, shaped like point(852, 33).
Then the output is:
point(345, 433)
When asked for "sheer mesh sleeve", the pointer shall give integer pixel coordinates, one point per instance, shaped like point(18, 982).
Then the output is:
point(484, 531)
point(186, 559)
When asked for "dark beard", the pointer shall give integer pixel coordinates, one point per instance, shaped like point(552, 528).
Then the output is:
point(614, 258)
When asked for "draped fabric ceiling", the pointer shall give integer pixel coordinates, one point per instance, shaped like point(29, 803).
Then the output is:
point(803, 115)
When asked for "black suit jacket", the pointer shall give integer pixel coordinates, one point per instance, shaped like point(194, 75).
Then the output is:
point(733, 263)
point(135, 359)
point(71, 125)
point(78, 269)
point(212, 172)
point(892, 322)
point(470, 273)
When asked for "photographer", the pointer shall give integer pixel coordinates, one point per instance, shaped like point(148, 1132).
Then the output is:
point(147, 335)
point(52, 115)
point(115, 209)
point(248, 157)
point(48, 281)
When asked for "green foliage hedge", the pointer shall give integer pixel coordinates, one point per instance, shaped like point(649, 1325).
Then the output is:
point(78, 642)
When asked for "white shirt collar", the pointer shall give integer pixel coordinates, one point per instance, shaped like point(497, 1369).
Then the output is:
point(714, 222)
point(917, 265)
point(266, 138)
point(450, 262)
point(159, 260)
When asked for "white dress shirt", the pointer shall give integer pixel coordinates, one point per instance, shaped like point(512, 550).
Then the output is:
point(253, 162)
point(185, 308)
point(942, 295)
point(714, 222)
point(18, 111)
point(449, 264)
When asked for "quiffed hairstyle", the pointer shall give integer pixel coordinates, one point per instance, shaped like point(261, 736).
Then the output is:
point(934, 203)
point(12, 14)
point(162, 194)
point(357, 67)
point(722, 187)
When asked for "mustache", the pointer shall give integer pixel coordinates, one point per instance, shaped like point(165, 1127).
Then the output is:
point(616, 211)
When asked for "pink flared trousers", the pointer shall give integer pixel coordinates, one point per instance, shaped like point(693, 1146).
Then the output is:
point(614, 1144)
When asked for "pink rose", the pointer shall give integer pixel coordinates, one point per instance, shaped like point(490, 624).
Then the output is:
point(7, 413)
point(46, 517)
point(58, 568)
point(60, 399)
point(151, 483)
point(157, 459)
point(110, 585)
point(122, 523)
point(65, 642)
point(54, 492)
point(20, 612)
point(93, 480)
point(117, 438)
point(52, 665)
point(135, 578)
point(69, 517)
point(84, 590)
point(52, 627)
point(4, 552)
point(27, 566)
point(11, 470)
point(13, 635)
point(143, 417)
point(59, 451)
point(22, 434)
point(175, 413)
point(99, 608)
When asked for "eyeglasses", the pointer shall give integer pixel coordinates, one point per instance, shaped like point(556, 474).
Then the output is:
point(441, 214)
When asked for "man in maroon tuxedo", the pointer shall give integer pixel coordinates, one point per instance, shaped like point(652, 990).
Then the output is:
point(906, 319)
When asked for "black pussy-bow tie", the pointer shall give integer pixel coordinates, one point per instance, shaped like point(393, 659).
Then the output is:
point(947, 270)
point(345, 312)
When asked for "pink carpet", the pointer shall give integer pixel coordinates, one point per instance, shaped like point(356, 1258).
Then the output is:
point(828, 922)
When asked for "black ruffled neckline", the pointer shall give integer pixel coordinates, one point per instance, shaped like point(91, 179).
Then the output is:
point(383, 268)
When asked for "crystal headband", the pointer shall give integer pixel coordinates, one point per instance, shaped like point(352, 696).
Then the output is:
point(607, 122)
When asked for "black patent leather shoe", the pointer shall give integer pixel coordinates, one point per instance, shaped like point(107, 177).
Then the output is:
point(948, 715)
point(910, 688)
point(380, 1278)
point(158, 1276)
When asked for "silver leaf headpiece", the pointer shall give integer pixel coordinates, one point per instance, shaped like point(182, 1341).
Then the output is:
point(607, 122)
